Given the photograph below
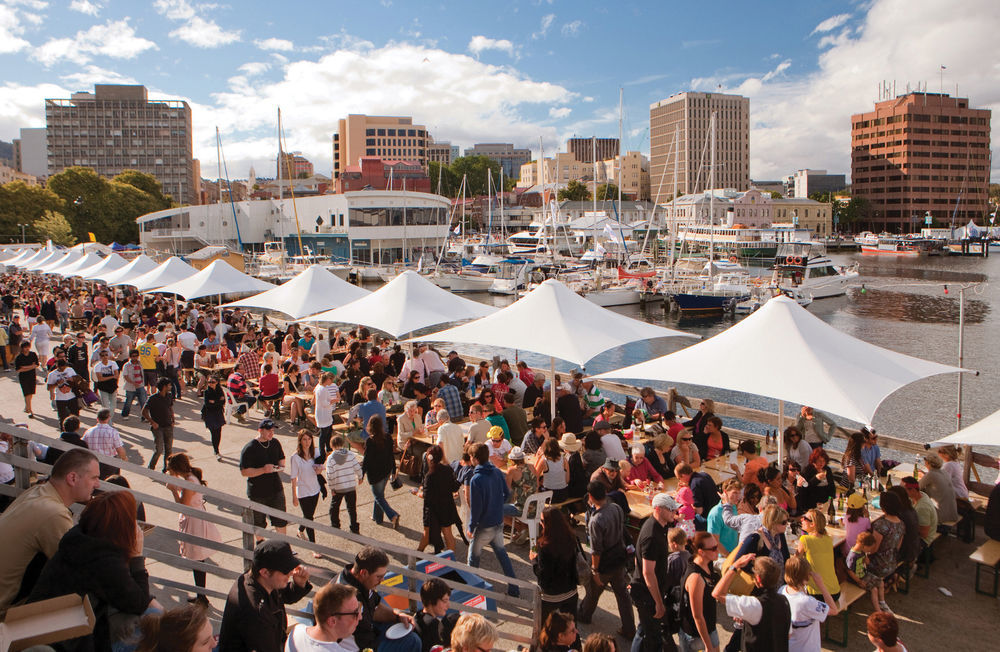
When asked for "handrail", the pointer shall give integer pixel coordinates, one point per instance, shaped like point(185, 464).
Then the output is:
point(515, 611)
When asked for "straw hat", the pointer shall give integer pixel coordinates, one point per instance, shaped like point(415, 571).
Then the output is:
point(570, 443)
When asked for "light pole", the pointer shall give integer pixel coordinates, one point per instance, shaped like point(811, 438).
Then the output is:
point(23, 227)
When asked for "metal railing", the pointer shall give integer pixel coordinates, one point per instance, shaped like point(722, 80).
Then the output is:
point(513, 616)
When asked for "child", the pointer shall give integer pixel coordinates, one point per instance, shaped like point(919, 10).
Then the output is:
point(679, 554)
point(343, 471)
point(433, 623)
point(685, 498)
point(857, 569)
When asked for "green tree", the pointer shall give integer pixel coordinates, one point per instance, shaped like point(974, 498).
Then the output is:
point(54, 226)
point(108, 209)
point(575, 191)
point(607, 191)
point(776, 195)
point(857, 211)
point(476, 171)
point(450, 183)
point(146, 183)
point(23, 204)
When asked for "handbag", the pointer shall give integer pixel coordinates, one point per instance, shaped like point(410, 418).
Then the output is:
point(743, 582)
point(409, 463)
point(396, 483)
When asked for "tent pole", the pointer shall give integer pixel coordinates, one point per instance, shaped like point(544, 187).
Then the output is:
point(552, 387)
point(966, 450)
point(781, 430)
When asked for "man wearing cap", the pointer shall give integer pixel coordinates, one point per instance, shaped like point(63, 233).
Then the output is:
point(260, 462)
point(365, 574)
point(609, 475)
point(610, 441)
point(651, 582)
point(568, 407)
point(608, 559)
point(254, 617)
point(488, 493)
point(498, 446)
point(927, 513)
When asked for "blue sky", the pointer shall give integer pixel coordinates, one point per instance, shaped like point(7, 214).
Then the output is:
point(510, 72)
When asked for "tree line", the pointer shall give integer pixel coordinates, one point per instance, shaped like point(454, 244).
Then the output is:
point(77, 202)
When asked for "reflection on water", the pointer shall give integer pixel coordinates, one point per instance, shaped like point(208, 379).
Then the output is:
point(900, 270)
point(917, 308)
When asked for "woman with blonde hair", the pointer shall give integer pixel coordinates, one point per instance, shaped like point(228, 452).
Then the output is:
point(473, 633)
point(179, 466)
point(817, 546)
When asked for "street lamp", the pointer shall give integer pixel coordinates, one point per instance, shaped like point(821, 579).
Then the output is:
point(23, 227)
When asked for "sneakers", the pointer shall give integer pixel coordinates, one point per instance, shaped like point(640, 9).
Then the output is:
point(882, 605)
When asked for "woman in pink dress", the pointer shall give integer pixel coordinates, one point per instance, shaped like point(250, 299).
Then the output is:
point(179, 466)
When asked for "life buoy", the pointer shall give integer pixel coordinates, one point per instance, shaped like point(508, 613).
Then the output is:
point(734, 259)
point(796, 260)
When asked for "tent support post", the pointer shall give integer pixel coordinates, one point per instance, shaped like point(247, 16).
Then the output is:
point(966, 450)
point(552, 387)
point(781, 431)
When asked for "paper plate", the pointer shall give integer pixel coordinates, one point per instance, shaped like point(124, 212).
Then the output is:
point(397, 631)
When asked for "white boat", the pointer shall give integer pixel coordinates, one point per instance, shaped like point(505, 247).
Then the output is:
point(613, 296)
point(804, 268)
point(512, 275)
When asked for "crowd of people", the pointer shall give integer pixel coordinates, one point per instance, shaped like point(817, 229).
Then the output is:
point(703, 545)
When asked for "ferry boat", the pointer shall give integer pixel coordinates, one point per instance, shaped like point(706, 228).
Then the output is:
point(804, 268)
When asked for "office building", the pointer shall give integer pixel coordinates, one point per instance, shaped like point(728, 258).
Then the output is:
point(295, 164)
point(689, 115)
point(386, 137)
point(921, 153)
point(118, 128)
point(30, 154)
point(440, 151)
point(811, 182)
point(373, 173)
point(582, 149)
point(509, 157)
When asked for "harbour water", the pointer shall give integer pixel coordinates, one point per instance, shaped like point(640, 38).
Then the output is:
point(903, 307)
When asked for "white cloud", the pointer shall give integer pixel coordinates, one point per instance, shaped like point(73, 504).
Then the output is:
point(543, 28)
point(831, 23)
point(275, 44)
point(85, 7)
point(24, 106)
point(92, 74)
point(479, 43)
point(197, 31)
point(572, 29)
point(255, 67)
point(560, 112)
point(457, 97)
point(116, 39)
point(10, 29)
point(781, 67)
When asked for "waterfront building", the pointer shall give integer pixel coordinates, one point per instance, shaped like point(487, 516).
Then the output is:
point(634, 175)
point(509, 157)
point(373, 173)
point(367, 226)
point(921, 153)
point(299, 166)
point(582, 149)
point(753, 209)
point(386, 137)
point(808, 182)
point(30, 155)
point(562, 168)
point(691, 112)
point(117, 127)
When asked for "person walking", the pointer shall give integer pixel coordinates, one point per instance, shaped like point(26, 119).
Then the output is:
point(325, 398)
point(379, 465)
point(159, 412)
point(608, 559)
point(305, 485)
point(488, 493)
point(438, 489)
point(651, 585)
point(132, 379)
point(343, 473)
point(179, 466)
point(104, 439)
point(25, 365)
point(105, 375)
point(260, 462)
point(213, 412)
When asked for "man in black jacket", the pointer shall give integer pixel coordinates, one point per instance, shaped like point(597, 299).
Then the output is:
point(365, 574)
point(254, 617)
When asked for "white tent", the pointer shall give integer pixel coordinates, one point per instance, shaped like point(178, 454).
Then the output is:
point(10, 255)
point(83, 263)
point(42, 261)
point(405, 304)
point(555, 321)
point(784, 352)
point(315, 289)
point(171, 270)
point(13, 257)
point(985, 432)
point(33, 256)
point(67, 258)
point(139, 266)
point(97, 272)
point(218, 278)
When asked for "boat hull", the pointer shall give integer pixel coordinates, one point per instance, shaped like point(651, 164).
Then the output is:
point(706, 303)
point(469, 282)
point(875, 251)
point(615, 297)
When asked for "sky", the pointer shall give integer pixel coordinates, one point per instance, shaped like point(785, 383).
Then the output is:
point(521, 71)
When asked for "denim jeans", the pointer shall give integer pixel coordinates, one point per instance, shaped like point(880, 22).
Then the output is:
point(693, 643)
point(110, 401)
point(493, 536)
point(381, 505)
point(139, 394)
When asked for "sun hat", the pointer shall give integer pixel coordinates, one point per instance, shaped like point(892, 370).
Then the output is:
point(569, 442)
point(516, 453)
point(610, 465)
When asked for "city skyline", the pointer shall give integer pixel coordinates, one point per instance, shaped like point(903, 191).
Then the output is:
point(546, 69)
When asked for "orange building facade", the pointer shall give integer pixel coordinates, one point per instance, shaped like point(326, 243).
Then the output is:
point(921, 153)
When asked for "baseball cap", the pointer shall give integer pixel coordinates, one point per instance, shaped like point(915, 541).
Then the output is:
point(275, 555)
point(665, 501)
point(266, 424)
point(496, 432)
point(856, 501)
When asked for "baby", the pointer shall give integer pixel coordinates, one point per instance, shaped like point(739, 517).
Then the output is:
point(685, 498)
point(857, 568)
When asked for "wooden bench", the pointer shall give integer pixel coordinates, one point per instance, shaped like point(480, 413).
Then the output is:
point(849, 594)
point(926, 556)
point(988, 556)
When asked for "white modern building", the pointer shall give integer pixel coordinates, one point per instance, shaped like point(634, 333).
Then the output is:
point(364, 226)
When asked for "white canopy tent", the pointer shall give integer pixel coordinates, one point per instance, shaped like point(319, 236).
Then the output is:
point(73, 269)
point(405, 304)
point(218, 278)
point(171, 270)
point(139, 266)
point(784, 352)
point(42, 261)
point(110, 264)
point(314, 289)
point(32, 256)
point(67, 258)
point(985, 432)
point(12, 255)
point(555, 321)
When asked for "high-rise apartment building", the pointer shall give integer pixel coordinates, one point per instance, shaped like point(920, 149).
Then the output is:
point(509, 157)
point(387, 137)
point(582, 149)
point(689, 115)
point(118, 128)
point(920, 153)
point(295, 164)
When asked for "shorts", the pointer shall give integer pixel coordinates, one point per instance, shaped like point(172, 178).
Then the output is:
point(274, 501)
point(150, 376)
point(187, 360)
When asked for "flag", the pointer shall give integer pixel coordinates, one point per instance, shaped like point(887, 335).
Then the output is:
point(92, 238)
point(457, 229)
point(610, 232)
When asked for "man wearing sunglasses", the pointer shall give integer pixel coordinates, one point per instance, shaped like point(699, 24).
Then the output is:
point(337, 611)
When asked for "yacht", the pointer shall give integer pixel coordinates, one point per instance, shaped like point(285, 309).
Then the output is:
point(512, 275)
point(804, 268)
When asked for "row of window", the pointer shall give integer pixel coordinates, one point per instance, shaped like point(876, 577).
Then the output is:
point(395, 216)
point(412, 133)
point(921, 117)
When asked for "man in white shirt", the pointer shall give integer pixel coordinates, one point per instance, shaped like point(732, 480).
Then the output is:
point(325, 397)
point(450, 437)
point(320, 347)
point(611, 442)
point(517, 388)
point(414, 364)
point(337, 612)
point(60, 390)
point(433, 366)
point(480, 427)
point(765, 613)
point(109, 323)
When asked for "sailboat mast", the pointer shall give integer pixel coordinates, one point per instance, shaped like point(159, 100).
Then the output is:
point(593, 148)
point(291, 189)
point(503, 225)
point(711, 199)
point(673, 200)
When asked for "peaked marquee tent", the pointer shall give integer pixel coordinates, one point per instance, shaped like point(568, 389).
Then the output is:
point(314, 289)
point(171, 270)
point(111, 263)
point(67, 258)
point(42, 261)
point(218, 278)
point(73, 269)
point(139, 266)
point(405, 304)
